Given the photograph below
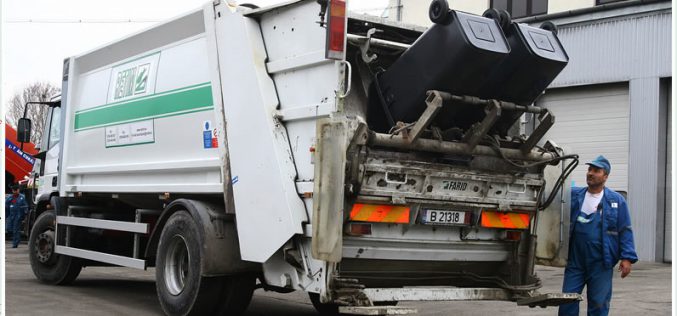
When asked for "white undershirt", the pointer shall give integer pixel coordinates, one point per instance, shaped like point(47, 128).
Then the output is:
point(591, 202)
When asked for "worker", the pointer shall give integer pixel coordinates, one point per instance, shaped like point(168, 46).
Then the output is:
point(599, 236)
point(17, 206)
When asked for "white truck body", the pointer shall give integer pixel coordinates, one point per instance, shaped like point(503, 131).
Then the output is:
point(241, 112)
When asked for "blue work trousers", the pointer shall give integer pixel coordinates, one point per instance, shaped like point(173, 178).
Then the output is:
point(585, 267)
point(14, 225)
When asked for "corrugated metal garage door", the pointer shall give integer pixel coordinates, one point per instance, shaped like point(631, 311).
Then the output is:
point(590, 121)
point(668, 186)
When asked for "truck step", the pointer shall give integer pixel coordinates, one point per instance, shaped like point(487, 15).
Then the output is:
point(377, 310)
point(550, 299)
point(436, 294)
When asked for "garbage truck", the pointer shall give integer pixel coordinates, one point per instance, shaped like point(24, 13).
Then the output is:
point(299, 147)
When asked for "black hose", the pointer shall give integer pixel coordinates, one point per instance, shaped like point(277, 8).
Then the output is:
point(497, 148)
point(558, 184)
point(382, 100)
point(560, 181)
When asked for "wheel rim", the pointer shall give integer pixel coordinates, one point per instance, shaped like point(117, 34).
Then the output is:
point(176, 265)
point(44, 246)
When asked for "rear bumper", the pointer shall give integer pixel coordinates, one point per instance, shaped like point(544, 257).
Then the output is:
point(372, 248)
point(389, 263)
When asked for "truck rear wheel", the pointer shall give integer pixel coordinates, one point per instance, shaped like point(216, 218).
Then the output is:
point(49, 267)
point(236, 294)
point(181, 288)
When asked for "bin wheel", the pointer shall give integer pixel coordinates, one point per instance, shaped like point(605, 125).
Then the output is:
point(49, 267)
point(181, 288)
point(505, 19)
point(439, 12)
point(549, 26)
point(501, 17)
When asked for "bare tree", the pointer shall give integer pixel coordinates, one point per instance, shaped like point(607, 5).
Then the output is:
point(34, 92)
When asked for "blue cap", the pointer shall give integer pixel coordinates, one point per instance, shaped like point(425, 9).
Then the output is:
point(602, 163)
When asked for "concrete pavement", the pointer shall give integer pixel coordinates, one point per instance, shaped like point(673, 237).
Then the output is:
point(105, 291)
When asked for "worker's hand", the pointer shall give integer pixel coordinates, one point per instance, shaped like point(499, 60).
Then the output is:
point(625, 267)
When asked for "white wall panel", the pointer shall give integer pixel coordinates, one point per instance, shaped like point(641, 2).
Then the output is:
point(592, 121)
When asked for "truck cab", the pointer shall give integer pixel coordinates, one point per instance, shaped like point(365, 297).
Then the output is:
point(42, 180)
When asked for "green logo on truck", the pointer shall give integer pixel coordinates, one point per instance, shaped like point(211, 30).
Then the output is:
point(131, 81)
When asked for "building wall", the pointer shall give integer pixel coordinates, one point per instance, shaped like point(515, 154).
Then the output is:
point(471, 6)
point(614, 49)
point(555, 6)
point(416, 11)
point(630, 45)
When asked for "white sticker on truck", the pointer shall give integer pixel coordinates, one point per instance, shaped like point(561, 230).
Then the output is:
point(136, 133)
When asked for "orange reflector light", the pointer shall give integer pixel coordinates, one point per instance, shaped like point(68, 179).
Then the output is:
point(493, 219)
point(360, 229)
point(379, 213)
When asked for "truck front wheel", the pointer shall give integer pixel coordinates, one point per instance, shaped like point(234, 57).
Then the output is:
point(49, 267)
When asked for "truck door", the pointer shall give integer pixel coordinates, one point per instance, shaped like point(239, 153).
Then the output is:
point(50, 140)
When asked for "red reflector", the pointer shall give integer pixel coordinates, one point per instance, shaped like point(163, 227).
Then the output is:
point(379, 213)
point(359, 229)
point(336, 29)
point(493, 219)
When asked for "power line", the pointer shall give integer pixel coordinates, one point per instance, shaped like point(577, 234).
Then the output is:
point(380, 9)
point(83, 21)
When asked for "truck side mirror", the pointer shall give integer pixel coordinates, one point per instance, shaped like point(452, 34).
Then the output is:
point(23, 131)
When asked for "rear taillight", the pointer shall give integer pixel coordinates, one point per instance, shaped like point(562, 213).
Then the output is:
point(336, 30)
point(510, 220)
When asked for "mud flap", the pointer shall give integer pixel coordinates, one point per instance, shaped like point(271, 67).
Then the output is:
point(550, 299)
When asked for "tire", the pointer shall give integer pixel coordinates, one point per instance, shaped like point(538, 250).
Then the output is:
point(438, 12)
point(49, 267)
point(325, 309)
point(236, 294)
point(181, 288)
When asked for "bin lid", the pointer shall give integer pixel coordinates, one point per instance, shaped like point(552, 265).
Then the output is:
point(542, 43)
point(481, 32)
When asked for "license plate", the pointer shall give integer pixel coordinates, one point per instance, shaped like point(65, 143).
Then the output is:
point(443, 217)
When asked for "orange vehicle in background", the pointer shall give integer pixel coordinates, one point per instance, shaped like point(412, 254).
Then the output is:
point(18, 162)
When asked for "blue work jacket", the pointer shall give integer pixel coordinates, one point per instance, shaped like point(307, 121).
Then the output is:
point(616, 230)
point(18, 202)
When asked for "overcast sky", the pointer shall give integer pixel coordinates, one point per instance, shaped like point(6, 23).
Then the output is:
point(38, 34)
